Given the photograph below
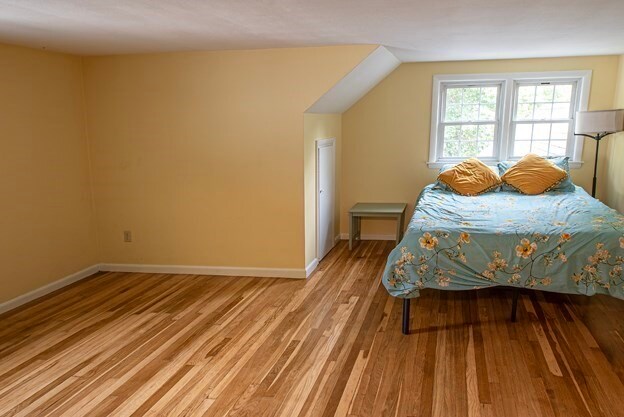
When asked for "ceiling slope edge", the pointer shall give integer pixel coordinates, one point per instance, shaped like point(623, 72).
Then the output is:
point(359, 81)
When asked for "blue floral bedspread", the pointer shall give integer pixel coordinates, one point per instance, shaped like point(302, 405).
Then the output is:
point(564, 242)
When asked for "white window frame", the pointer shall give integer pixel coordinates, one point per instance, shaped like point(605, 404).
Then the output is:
point(497, 123)
point(503, 135)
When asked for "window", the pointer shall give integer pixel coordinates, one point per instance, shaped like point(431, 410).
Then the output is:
point(505, 116)
point(470, 120)
point(542, 119)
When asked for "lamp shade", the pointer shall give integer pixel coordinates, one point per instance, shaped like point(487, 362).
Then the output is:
point(604, 121)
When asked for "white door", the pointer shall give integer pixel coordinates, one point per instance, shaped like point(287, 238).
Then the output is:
point(325, 172)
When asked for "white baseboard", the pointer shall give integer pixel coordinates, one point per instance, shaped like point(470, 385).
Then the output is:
point(47, 289)
point(345, 236)
point(337, 238)
point(158, 269)
point(206, 270)
point(311, 267)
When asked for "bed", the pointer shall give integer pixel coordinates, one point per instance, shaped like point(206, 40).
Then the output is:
point(565, 242)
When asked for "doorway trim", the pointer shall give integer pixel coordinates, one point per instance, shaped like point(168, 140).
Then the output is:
point(322, 143)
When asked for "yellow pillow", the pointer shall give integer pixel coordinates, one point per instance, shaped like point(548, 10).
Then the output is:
point(471, 177)
point(534, 175)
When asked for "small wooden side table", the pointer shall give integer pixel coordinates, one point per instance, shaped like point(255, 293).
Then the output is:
point(378, 210)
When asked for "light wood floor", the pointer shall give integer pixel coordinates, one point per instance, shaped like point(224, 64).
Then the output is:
point(164, 345)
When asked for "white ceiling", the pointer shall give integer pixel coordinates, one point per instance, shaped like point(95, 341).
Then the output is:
point(414, 30)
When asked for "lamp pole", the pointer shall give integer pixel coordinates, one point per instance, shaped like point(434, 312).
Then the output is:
point(597, 138)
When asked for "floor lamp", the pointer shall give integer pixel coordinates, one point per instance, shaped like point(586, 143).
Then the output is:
point(597, 125)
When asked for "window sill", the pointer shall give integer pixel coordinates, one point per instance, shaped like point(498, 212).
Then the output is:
point(438, 165)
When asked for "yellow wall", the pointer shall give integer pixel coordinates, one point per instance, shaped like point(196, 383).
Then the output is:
point(319, 126)
point(386, 134)
point(208, 158)
point(614, 177)
point(200, 154)
point(48, 229)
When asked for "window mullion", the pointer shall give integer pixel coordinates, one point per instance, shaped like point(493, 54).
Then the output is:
point(505, 135)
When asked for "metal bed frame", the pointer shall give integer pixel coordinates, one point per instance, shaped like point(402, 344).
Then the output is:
point(406, 310)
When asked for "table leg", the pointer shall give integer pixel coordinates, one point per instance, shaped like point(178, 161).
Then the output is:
point(359, 228)
point(350, 231)
point(402, 224)
point(398, 231)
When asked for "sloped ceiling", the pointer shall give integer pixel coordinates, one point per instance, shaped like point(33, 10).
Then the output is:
point(367, 74)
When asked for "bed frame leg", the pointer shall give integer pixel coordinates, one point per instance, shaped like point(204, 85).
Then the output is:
point(406, 315)
point(514, 304)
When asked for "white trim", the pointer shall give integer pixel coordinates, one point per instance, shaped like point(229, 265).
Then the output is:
point(158, 269)
point(322, 143)
point(584, 88)
point(438, 165)
point(435, 116)
point(345, 236)
point(311, 267)
point(508, 81)
point(48, 288)
point(207, 270)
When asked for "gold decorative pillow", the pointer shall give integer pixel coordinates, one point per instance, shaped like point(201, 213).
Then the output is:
point(534, 175)
point(471, 177)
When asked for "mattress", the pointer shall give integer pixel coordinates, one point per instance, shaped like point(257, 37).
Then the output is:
point(566, 242)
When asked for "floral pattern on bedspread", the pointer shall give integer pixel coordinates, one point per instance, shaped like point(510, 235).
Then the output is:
point(565, 242)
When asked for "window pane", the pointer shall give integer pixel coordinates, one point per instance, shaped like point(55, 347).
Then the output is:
point(560, 131)
point(470, 112)
point(526, 94)
point(540, 147)
point(466, 104)
point(451, 132)
point(486, 133)
point(469, 148)
point(486, 148)
point(465, 149)
point(563, 92)
point(557, 148)
point(454, 95)
point(524, 112)
point(544, 102)
point(475, 148)
point(468, 140)
point(471, 95)
point(547, 139)
point(451, 149)
point(544, 93)
point(561, 111)
point(524, 131)
point(489, 95)
point(487, 112)
point(469, 132)
point(541, 131)
point(453, 113)
point(521, 147)
point(542, 111)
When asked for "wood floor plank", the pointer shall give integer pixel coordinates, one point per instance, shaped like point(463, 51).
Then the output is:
point(126, 344)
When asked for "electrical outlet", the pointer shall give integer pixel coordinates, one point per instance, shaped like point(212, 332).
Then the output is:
point(127, 234)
